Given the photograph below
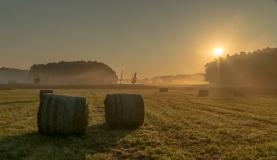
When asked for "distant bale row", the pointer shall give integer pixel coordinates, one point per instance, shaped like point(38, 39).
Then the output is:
point(62, 114)
point(203, 93)
point(163, 89)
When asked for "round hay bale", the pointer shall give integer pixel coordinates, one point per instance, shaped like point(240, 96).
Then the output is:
point(124, 110)
point(163, 89)
point(203, 93)
point(42, 92)
point(238, 93)
point(62, 114)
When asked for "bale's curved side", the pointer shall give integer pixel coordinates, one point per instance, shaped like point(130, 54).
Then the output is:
point(62, 114)
point(124, 109)
point(203, 93)
point(42, 92)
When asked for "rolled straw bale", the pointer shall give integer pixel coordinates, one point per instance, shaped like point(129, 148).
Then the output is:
point(62, 114)
point(124, 110)
point(203, 93)
point(42, 92)
point(238, 93)
point(163, 89)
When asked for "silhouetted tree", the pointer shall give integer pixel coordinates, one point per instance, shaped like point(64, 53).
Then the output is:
point(37, 80)
point(134, 79)
point(256, 68)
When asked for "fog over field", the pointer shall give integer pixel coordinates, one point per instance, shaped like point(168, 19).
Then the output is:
point(152, 38)
point(138, 79)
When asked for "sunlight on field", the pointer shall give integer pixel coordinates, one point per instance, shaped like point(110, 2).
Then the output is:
point(178, 125)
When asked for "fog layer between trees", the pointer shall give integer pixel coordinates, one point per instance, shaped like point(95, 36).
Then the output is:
point(256, 68)
point(12, 75)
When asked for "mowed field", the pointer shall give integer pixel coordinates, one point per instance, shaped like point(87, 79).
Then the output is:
point(177, 125)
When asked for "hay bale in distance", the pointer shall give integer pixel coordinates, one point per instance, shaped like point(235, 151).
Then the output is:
point(203, 93)
point(124, 110)
point(42, 92)
point(238, 93)
point(163, 89)
point(62, 114)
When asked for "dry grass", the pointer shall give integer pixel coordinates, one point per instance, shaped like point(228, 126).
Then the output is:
point(178, 125)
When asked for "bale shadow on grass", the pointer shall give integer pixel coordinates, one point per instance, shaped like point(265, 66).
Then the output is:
point(13, 102)
point(97, 139)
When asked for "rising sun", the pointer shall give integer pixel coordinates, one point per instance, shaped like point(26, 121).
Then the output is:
point(218, 51)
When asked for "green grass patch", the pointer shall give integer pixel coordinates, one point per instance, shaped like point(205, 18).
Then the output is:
point(178, 125)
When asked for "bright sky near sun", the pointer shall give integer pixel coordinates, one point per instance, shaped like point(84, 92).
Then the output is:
point(150, 37)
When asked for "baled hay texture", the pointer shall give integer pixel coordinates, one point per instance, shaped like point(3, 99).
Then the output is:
point(62, 114)
point(124, 110)
point(203, 93)
point(163, 89)
point(42, 92)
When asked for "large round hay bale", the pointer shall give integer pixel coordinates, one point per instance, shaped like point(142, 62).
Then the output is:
point(62, 114)
point(124, 110)
point(42, 92)
point(238, 93)
point(203, 93)
point(163, 89)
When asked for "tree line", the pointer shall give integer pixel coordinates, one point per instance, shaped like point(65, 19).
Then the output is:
point(73, 72)
point(253, 68)
point(13, 75)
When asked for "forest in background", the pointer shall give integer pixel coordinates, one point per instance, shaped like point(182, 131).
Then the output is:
point(73, 72)
point(256, 68)
point(77, 72)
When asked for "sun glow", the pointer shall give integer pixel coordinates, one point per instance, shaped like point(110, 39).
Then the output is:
point(218, 51)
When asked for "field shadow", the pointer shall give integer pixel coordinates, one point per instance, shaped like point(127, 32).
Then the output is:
point(201, 96)
point(14, 102)
point(97, 139)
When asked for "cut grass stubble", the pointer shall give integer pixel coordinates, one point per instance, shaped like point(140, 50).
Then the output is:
point(178, 125)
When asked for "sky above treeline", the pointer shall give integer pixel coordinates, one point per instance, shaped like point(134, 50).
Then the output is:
point(150, 37)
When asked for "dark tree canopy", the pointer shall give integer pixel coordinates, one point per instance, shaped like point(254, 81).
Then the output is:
point(256, 68)
point(73, 72)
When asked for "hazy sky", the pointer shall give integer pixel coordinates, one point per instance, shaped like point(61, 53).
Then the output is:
point(150, 37)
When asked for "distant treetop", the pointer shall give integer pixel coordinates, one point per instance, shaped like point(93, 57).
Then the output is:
point(252, 68)
point(74, 72)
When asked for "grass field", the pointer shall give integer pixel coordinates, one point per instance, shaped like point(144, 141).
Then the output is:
point(178, 125)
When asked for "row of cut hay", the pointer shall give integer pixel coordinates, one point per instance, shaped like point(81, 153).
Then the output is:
point(163, 89)
point(68, 114)
point(205, 93)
